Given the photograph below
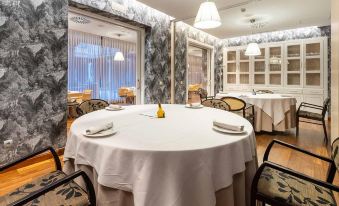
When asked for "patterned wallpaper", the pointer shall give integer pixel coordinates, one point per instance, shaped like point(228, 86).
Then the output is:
point(33, 75)
point(157, 45)
point(183, 32)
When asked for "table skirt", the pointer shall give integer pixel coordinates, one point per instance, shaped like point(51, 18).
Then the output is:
point(237, 194)
point(263, 122)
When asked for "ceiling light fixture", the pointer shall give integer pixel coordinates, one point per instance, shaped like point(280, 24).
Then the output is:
point(119, 56)
point(252, 48)
point(208, 16)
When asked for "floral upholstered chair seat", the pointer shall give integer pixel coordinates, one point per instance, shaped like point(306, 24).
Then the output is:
point(292, 190)
point(68, 194)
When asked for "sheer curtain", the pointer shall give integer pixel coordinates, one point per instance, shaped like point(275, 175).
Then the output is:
point(91, 65)
point(197, 72)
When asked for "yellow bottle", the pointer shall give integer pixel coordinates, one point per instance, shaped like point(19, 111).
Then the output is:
point(160, 112)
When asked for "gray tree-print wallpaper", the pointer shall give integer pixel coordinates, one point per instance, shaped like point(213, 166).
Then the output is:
point(33, 74)
point(157, 41)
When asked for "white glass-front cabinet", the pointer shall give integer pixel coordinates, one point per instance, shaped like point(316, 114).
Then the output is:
point(297, 68)
point(237, 67)
point(275, 71)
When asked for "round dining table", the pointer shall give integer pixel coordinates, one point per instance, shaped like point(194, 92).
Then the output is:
point(273, 112)
point(179, 160)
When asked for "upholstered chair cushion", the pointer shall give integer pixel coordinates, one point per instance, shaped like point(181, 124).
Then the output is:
point(291, 190)
point(92, 105)
point(310, 115)
point(67, 194)
point(216, 103)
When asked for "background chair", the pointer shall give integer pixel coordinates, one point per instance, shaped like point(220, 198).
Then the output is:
point(278, 185)
point(264, 91)
point(216, 103)
point(204, 95)
point(55, 188)
point(318, 118)
point(91, 106)
point(87, 95)
point(239, 105)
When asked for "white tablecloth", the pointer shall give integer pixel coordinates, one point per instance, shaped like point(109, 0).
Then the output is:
point(176, 161)
point(274, 105)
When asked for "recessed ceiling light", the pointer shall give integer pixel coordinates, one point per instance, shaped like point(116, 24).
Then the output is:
point(80, 20)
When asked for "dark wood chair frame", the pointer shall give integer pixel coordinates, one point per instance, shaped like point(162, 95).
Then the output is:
point(204, 98)
point(255, 195)
point(246, 107)
point(44, 190)
point(313, 106)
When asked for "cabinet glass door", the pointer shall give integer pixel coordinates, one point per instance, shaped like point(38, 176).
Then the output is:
point(259, 77)
point(231, 67)
point(274, 66)
point(313, 64)
point(244, 68)
point(293, 65)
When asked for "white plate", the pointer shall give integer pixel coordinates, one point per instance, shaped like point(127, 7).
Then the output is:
point(219, 129)
point(101, 134)
point(194, 107)
point(114, 109)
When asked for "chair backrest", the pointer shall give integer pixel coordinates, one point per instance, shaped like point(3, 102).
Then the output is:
point(123, 91)
point(202, 93)
point(87, 91)
point(92, 105)
point(265, 91)
point(325, 106)
point(216, 103)
point(235, 104)
point(335, 153)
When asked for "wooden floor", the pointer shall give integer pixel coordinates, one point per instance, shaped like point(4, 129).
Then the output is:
point(311, 138)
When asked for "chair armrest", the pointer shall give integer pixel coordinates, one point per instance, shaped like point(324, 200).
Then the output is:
point(55, 157)
point(305, 104)
point(298, 175)
point(269, 147)
point(331, 170)
point(44, 190)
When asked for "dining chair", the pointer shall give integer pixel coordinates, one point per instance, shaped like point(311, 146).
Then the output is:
point(239, 105)
point(55, 188)
point(264, 91)
point(315, 117)
point(216, 103)
point(204, 95)
point(278, 185)
point(91, 106)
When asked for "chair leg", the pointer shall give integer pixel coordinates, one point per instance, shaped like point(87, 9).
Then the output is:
point(297, 127)
point(325, 132)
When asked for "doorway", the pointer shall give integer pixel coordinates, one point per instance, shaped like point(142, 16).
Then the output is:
point(199, 66)
point(105, 58)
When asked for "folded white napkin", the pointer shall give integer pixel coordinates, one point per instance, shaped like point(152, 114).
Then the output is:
point(195, 104)
point(99, 128)
point(228, 126)
point(114, 106)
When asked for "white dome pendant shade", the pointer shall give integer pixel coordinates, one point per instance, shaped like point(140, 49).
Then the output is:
point(119, 56)
point(208, 16)
point(252, 50)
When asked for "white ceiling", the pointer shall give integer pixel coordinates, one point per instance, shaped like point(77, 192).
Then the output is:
point(102, 28)
point(275, 14)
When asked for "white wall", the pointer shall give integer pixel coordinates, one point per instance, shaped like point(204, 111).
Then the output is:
point(335, 70)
